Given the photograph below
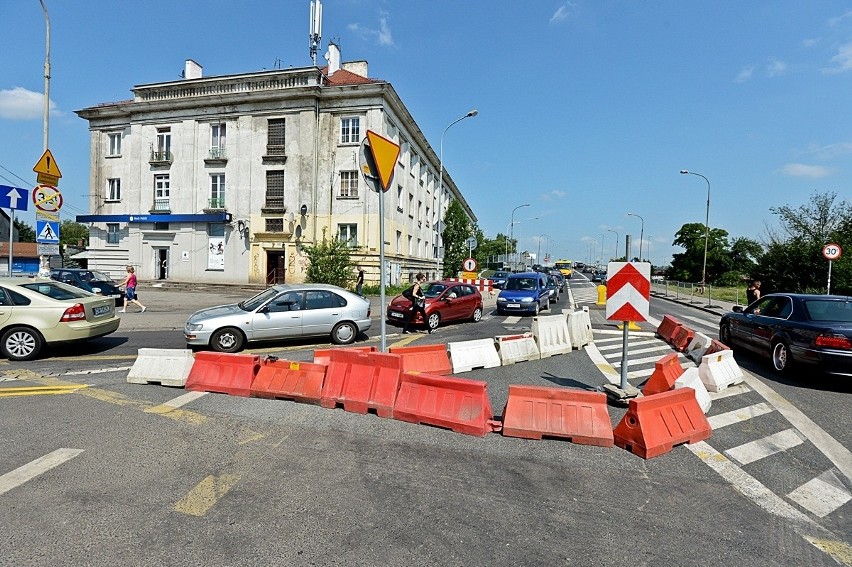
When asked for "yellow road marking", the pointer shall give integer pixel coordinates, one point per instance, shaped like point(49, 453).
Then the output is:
point(40, 390)
point(405, 341)
point(205, 494)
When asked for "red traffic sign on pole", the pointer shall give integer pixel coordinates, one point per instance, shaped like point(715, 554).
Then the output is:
point(832, 251)
point(628, 291)
point(469, 265)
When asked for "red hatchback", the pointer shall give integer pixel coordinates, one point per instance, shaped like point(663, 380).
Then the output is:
point(445, 301)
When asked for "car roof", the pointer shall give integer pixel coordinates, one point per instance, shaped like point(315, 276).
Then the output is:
point(526, 275)
point(809, 296)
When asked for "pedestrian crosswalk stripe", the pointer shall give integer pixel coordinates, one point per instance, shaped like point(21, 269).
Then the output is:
point(737, 416)
point(762, 448)
point(730, 391)
point(632, 362)
point(701, 322)
point(659, 348)
point(637, 343)
point(512, 320)
point(821, 495)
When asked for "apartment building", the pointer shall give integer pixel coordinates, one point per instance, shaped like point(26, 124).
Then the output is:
point(225, 179)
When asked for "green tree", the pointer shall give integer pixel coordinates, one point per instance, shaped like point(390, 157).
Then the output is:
point(457, 229)
point(26, 233)
point(330, 263)
point(73, 234)
point(689, 265)
point(487, 247)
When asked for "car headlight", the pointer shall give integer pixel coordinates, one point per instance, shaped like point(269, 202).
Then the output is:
point(194, 326)
point(527, 300)
point(501, 300)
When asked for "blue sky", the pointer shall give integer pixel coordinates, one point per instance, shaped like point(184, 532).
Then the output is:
point(588, 109)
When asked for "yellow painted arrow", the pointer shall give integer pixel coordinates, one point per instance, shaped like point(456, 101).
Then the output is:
point(40, 390)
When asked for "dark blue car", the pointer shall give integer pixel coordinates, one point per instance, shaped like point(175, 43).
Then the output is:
point(524, 293)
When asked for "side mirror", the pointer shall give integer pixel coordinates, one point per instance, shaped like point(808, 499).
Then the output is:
point(737, 309)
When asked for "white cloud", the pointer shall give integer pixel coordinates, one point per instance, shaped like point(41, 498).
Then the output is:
point(842, 61)
point(804, 170)
point(833, 22)
point(382, 35)
point(776, 68)
point(562, 12)
point(21, 104)
point(553, 195)
point(745, 74)
point(830, 151)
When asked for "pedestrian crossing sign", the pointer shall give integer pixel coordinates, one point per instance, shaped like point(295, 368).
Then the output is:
point(47, 232)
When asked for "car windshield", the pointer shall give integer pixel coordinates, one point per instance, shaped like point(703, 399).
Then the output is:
point(96, 277)
point(500, 275)
point(254, 302)
point(520, 284)
point(433, 289)
point(57, 290)
point(829, 310)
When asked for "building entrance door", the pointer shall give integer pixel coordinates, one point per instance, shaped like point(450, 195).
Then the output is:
point(275, 267)
point(161, 268)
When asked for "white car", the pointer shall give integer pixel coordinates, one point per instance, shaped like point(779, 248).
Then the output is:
point(283, 311)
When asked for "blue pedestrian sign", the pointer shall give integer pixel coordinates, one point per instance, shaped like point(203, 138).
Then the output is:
point(47, 232)
point(13, 198)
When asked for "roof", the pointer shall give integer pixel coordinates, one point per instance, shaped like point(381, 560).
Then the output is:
point(344, 77)
point(19, 249)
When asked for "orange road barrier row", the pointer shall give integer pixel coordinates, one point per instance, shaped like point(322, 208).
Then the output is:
point(362, 381)
point(443, 401)
point(682, 337)
point(286, 380)
point(321, 356)
point(533, 412)
point(432, 359)
point(653, 425)
point(667, 328)
point(222, 373)
point(666, 371)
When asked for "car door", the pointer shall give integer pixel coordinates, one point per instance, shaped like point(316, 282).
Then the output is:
point(323, 310)
point(5, 306)
point(544, 293)
point(452, 303)
point(766, 323)
point(754, 316)
point(468, 301)
point(281, 317)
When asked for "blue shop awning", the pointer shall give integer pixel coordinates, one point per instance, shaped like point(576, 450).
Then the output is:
point(148, 218)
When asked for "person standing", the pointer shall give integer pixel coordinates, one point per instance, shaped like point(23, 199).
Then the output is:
point(418, 304)
point(359, 282)
point(753, 292)
point(129, 285)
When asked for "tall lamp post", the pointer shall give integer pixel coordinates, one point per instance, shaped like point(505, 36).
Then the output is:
point(616, 242)
point(706, 226)
point(512, 224)
point(470, 114)
point(600, 256)
point(641, 233)
point(538, 254)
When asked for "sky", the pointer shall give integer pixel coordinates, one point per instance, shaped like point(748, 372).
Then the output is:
point(588, 109)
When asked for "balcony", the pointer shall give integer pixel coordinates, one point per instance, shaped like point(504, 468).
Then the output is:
point(215, 205)
point(160, 157)
point(274, 154)
point(216, 155)
point(274, 205)
point(161, 206)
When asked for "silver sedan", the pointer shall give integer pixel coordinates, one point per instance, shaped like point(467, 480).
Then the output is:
point(281, 312)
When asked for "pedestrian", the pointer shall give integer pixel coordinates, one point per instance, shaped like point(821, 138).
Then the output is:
point(129, 285)
point(359, 282)
point(418, 304)
point(753, 292)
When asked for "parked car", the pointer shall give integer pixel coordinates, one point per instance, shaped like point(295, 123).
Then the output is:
point(599, 276)
point(524, 293)
point(560, 278)
point(285, 311)
point(445, 301)
point(498, 280)
point(35, 314)
point(795, 329)
point(553, 288)
point(93, 281)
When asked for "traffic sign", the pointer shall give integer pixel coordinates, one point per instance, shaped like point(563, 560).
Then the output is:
point(471, 243)
point(47, 232)
point(47, 198)
point(48, 249)
point(628, 291)
point(47, 165)
point(469, 265)
point(14, 198)
point(832, 251)
point(385, 153)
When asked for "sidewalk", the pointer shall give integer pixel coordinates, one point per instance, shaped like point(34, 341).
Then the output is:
point(715, 306)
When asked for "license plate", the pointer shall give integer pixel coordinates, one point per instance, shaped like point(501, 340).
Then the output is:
point(100, 310)
point(513, 305)
point(397, 315)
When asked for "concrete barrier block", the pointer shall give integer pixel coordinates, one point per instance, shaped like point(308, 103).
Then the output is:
point(467, 355)
point(169, 367)
point(690, 379)
point(516, 348)
point(551, 334)
point(579, 328)
point(697, 347)
point(719, 370)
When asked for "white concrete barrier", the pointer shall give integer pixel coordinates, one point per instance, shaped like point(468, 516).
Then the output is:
point(697, 347)
point(690, 379)
point(719, 370)
point(467, 355)
point(551, 335)
point(169, 367)
point(590, 335)
point(579, 328)
point(516, 348)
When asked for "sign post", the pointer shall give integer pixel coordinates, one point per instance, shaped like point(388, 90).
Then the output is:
point(14, 199)
point(831, 252)
point(628, 288)
point(46, 196)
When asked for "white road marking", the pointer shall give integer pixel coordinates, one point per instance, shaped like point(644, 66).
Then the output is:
point(630, 351)
point(640, 373)
point(34, 468)
point(702, 322)
point(512, 320)
point(99, 371)
point(602, 364)
point(681, 358)
point(737, 416)
point(633, 344)
point(734, 390)
point(620, 333)
point(762, 448)
point(821, 495)
point(181, 401)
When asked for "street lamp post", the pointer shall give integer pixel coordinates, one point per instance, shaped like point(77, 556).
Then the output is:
point(616, 242)
point(512, 225)
point(706, 226)
point(641, 233)
point(600, 256)
point(470, 114)
point(538, 254)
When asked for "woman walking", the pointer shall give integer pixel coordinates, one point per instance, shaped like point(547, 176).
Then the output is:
point(129, 285)
point(418, 304)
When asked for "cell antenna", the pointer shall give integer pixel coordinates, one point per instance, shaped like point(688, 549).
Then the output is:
point(315, 35)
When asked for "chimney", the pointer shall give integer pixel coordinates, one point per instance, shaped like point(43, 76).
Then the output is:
point(192, 70)
point(333, 58)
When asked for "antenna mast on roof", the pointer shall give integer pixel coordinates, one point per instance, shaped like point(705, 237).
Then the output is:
point(315, 34)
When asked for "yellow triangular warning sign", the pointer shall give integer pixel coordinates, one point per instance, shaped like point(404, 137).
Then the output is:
point(385, 154)
point(47, 165)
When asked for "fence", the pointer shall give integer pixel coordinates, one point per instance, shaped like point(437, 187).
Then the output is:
point(696, 292)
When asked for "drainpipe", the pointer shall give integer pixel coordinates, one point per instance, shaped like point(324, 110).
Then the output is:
point(316, 167)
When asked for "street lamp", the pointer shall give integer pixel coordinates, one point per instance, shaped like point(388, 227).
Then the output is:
point(470, 114)
point(641, 233)
point(538, 254)
point(706, 225)
point(512, 223)
point(616, 243)
point(600, 256)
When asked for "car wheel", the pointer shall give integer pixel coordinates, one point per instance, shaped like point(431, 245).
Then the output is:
point(228, 339)
point(477, 315)
point(725, 335)
point(781, 360)
point(22, 343)
point(433, 321)
point(536, 309)
point(344, 333)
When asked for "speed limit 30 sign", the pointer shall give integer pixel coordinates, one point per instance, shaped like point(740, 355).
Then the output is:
point(832, 251)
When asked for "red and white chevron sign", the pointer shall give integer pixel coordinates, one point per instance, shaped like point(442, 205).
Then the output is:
point(628, 291)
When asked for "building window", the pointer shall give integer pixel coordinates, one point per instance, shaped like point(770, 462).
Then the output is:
point(410, 245)
point(113, 190)
point(348, 233)
point(399, 198)
point(350, 130)
point(274, 225)
point(217, 191)
point(112, 233)
point(162, 186)
point(216, 230)
point(161, 226)
point(348, 183)
point(410, 205)
point(275, 189)
point(398, 242)
point(114, 144)
point(217, 141)
point(163, 152)
point(275, 137)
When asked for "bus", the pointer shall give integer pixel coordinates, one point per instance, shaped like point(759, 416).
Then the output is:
point(565, 266)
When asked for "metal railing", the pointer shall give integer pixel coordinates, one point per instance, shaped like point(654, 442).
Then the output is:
point(161, 205)
point(694, 292)
point(161, 156)
point(217, 153)
point(217, 203)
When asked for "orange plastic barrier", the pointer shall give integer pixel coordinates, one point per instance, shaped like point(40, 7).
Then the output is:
point(534, 411)
point(321, 356)
point(666, 371)
point(716, 346)
point(454, 403)
point(667, 328)
point(653, 425)
point(361, 381)
point(682, 337)
point(432, 359)
point(283, 379)
point(223, 373)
